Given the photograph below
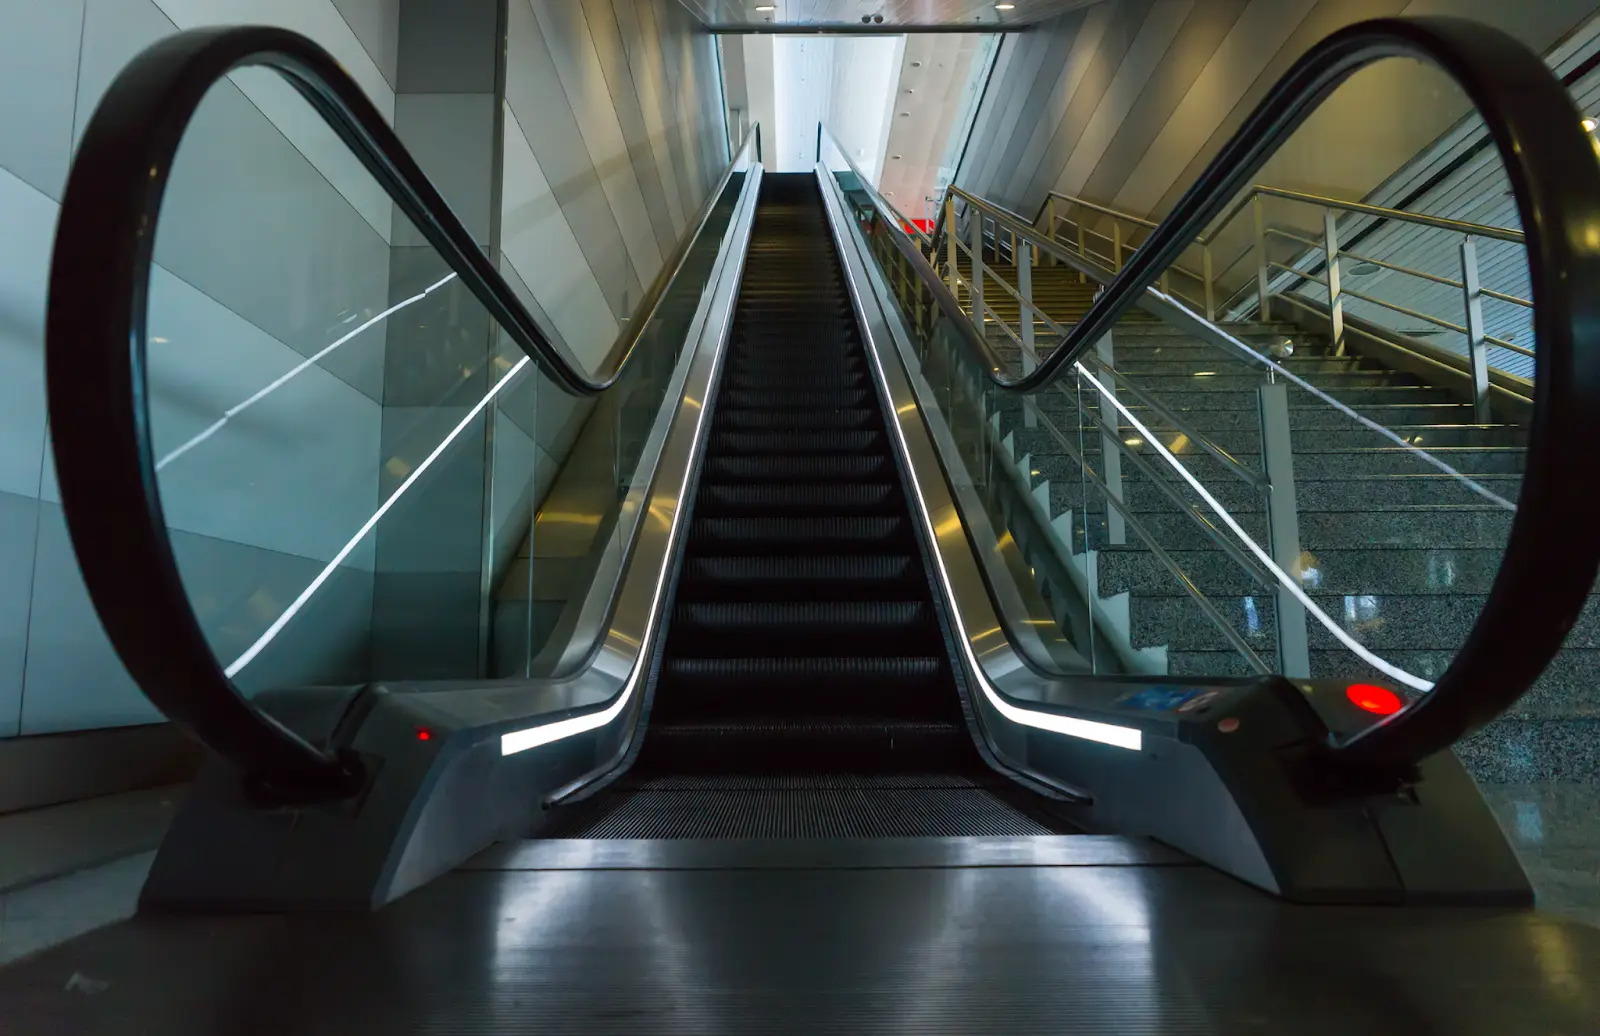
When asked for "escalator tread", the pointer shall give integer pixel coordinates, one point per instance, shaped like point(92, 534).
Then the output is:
point(804, 689)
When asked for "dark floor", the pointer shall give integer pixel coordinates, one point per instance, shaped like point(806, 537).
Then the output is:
point(931, 948)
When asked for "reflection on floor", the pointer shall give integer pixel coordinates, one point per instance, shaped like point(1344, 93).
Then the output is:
point(36, 917)
point(1555, 828)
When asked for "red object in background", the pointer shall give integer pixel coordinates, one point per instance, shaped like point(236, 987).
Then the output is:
point(924, 225)
point(1378, 700)
point(424, 734)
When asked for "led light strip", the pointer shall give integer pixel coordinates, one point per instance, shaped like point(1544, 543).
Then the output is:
point(1089, 730)
point(394, 498)
point(232, 412)
point(545, 733)
point(1288, 581)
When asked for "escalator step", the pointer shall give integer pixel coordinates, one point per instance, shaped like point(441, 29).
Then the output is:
point(796, 575)
point(826, 441)
point(837, 467)
point(796, 419)
point(778, 399)
point(869, 674)
point(787, 618)
point(837, 498)
point(790, 535)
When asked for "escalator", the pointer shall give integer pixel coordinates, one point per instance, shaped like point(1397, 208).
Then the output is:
point(805, 684)
point(823, 746)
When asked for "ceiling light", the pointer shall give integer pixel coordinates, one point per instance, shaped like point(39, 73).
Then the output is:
point(766, 7)
point(1004, 7)
point(1589, 125)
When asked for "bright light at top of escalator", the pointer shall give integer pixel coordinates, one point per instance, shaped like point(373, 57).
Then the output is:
point(1379, 701)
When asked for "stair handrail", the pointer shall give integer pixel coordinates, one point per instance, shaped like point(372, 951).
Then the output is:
point(1546, 571)
point(96, 369)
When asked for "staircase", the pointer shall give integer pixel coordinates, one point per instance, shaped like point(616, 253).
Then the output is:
point(1396, 551)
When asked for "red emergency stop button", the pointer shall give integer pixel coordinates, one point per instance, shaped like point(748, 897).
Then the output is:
point(1374, 699)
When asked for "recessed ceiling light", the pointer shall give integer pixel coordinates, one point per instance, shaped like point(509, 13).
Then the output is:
point(895, 157)
point(1004, 7)
point(765, 7)
point(916, 64)
point(1589, 125)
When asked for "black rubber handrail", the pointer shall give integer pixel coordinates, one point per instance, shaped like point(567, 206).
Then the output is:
point(96, 372)
point(1551, 557)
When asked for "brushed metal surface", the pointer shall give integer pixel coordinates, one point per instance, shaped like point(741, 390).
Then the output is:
point(822, 853)
point(1014, 950)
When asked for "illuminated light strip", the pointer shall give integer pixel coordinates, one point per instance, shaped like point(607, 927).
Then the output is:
point(322, 577)
point(1130, 738)
point(1481, 490)
point(545, 733)
point(232, 412)
point(1288, 581)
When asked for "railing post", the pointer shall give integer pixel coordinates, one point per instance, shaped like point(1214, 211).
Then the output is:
point(1477, 350)
point(1263, 271)
point(1110, 448)
point(1024, 260)
point(1283, 525)
point(1330, 244)
point(1209, 286)
point(1083, 248)
point(1050, 220)
point(975, 283)
point(1116, 247)
point(952, 251)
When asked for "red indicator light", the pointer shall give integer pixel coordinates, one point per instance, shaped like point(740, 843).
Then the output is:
point(424, 734)
point(1377, 700)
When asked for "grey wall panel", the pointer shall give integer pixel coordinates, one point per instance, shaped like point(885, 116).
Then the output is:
point(539, 102)
point(38, 86)
point(1057, 42)
point(1207, 26)
point(539, 244)
point(28, 217)
point(579, 69)
point(74, 680)
point(292, 473)
point(1086, 29)
point(427, 592)
point(19, 528)
point(247, 218)
point(450, 135)
point(650, 67)
point(986, 123)
point(376, 24)
point(238, 591)
point(644, 62)
point(439, 348)
point(447, 47)
point(1119, 35)
point(1142, 61)
point(607, 37)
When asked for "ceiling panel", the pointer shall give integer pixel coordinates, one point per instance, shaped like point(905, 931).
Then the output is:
point(849, 13)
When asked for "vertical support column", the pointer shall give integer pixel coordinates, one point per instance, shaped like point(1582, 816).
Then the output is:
point(1209, 278)
point(952, 252)
point(1083, 249)
point(975, 242)
point(1283, 525)
point(1263, 271)
point(1330, 244)
point(1477, 349)
point(1025, 316)
point(434, 557)
point(1110, 448)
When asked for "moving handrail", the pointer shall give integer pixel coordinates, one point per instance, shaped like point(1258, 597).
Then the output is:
point(1545, 574)
point(96, 367)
